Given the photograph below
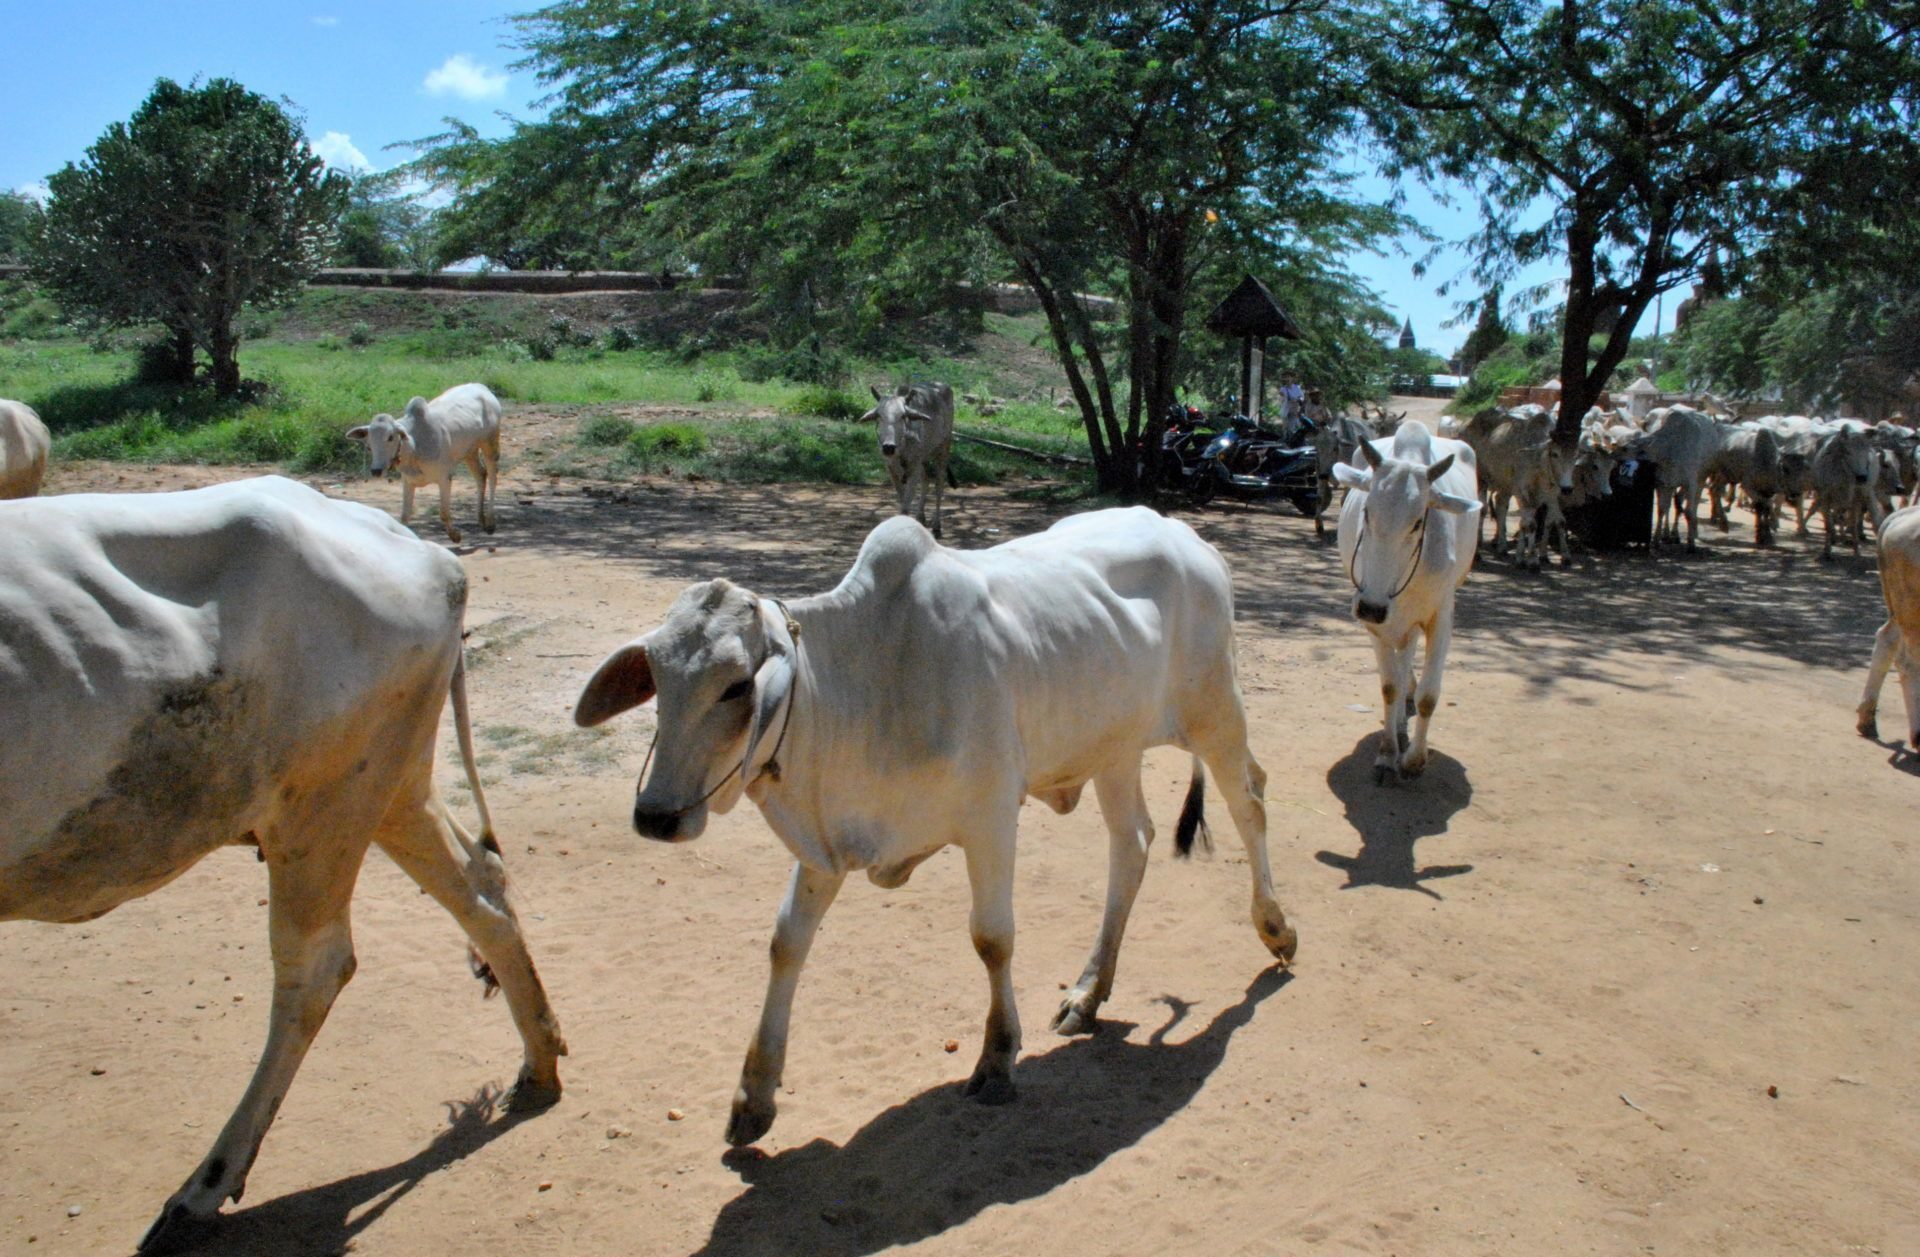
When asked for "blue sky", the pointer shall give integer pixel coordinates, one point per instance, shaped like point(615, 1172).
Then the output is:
point(366, 75)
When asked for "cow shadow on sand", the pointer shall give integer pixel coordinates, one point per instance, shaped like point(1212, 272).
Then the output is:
point(1391, 818)
point(936, 1161)
point(327, 1219)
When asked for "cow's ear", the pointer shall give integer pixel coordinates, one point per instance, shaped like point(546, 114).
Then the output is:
point(872, 416)
point(919, 416)
point(1351, 477)
point(1454, 504)
point(624, 681)
point(1439, 468)
point(357, 434)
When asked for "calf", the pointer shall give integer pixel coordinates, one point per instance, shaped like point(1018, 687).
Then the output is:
point(1407, 534)
point(430, 440)
point(24, 443)
point(916, 441)
point(251, 664)
point(916, 705)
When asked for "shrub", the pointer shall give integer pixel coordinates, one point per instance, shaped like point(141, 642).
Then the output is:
point(542, 347)
point(829, 403)
point(607, 430)
point(711, 386)
point(621, 338)
point(360, 334)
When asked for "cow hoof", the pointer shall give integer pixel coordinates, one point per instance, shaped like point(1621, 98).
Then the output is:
point(176, 1229)
point(1280, 939)
point(1411, 767)
point(453, 536)
point(530, 1095)
point(1078, 1014)
point(488, 527)
point(1383, 773)
point(1868, 727)
point(990, 1086)
point(749, 1120)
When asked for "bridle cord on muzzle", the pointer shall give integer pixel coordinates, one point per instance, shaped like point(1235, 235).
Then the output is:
point(1419, 543)
point(772, 766)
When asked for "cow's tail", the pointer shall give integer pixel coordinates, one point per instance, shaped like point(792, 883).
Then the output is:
point(1193, 817)
point(463, 733)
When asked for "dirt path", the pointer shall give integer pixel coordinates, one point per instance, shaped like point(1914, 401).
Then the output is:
point(1541, 996)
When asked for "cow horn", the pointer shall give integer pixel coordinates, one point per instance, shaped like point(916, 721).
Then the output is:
point(877, 394)
point(1370, 454)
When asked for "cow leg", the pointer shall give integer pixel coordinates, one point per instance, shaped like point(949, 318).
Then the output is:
point(1439, 639)
point(900, 484)
point(1689, 500)
point(1886, 643)
point(483, 479)
point(1243, 787)
point(406, 502)
point(937, 484)
point(809, 894)
point(312, 944)
point(1394, 719)
point(990, 875)
point(421, 842)
point(446, 507)
point(1499, 522)
point(1129, 835)
point(1827, 551)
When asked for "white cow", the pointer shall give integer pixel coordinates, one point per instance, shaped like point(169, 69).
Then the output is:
point(1682, 443)
point(432, 438)
point(1407, 536)
point(24, 443)
point(1845, 465)
point(250, 664)
point(1897, 644)
point(917, 704)
point(916, 442)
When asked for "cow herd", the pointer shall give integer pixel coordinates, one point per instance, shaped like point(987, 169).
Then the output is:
point(257, 664)
point(1846, 471)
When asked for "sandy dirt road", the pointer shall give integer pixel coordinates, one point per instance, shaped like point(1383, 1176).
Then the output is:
point(1541, 995)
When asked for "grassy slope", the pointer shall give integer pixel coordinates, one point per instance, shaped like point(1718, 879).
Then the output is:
point(339, 356)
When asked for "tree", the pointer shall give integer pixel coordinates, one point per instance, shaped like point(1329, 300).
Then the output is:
point(1488, 334)
point(862, 161)
point(19, 216)
point(207, 201)
point(1632, 138)
point(383, 227)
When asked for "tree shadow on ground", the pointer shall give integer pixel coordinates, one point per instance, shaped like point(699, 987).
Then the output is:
point(936, 1161)
point(1390, 818)
point(322, 1220)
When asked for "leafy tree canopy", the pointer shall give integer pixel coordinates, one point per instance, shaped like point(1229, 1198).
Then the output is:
point(1632, 138)
point(207, 200)
point(861, 161)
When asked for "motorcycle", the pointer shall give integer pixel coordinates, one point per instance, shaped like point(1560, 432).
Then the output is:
point(1251, 463)
point(1183, 439)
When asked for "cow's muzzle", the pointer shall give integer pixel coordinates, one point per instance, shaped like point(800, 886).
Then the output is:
point(889, 449)
point(1369, 612)
point(663, 826)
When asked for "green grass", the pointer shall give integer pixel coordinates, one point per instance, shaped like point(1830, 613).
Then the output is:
point(337, 357)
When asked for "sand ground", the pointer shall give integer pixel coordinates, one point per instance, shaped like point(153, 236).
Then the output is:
point(1541, 997)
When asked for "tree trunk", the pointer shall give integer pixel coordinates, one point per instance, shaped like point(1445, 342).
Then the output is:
point(180, 355)
point(224, 349)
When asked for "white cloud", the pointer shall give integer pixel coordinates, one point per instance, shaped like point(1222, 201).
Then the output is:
point(336, 148)
point(36, 191)
point(460, 75)
point(326, 21)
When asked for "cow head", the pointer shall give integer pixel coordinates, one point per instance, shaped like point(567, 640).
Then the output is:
point(1393, 520)
point(899, 424)
point(1593, 467)
point(722, 668)
point(386, 438)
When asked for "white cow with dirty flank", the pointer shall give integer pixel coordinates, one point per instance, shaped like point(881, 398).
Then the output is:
point(251, 664)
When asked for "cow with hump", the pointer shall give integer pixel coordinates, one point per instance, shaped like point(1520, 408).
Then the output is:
point(250, 664)
point(917, 704)
point(1407, 535)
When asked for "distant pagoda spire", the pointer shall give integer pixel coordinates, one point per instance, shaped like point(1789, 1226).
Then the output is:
point(1406, 334)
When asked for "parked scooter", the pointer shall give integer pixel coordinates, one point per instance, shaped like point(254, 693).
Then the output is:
point(1249, 462)
point(1183, 439)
